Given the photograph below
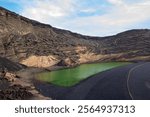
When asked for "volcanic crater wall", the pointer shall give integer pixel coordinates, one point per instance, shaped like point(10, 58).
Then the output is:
point(40, 45)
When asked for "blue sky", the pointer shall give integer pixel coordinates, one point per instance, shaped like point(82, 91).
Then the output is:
point(10, 5)
point(90, 17)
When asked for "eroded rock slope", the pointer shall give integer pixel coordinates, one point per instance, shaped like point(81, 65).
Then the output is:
point(40, 45)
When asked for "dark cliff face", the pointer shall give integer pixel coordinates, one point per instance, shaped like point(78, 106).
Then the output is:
point(132, 45)
point(7, 65)
point(22, 39)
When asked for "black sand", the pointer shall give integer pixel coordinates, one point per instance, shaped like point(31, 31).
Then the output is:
point(122, 83)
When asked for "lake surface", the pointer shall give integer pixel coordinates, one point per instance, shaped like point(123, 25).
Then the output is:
point(71, 76)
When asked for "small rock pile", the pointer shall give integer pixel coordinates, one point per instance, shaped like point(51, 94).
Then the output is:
point(11, 92)
point(15, 92)
point(4, 74)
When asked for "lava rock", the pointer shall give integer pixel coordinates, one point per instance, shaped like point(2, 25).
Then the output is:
point(15, 92)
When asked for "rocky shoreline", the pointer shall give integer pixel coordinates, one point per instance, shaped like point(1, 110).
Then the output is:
point(18, 85)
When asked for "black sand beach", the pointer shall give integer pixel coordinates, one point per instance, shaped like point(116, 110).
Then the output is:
point(122, 83)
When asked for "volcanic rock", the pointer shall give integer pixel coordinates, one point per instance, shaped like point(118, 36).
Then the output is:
point(22, 39)
point(15, 92)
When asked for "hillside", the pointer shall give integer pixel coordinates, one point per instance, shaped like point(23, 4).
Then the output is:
point(40, 45)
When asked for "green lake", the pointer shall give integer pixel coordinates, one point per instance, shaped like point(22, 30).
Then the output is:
point(71, 76)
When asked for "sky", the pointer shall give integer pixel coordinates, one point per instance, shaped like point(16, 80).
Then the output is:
point(88, 17)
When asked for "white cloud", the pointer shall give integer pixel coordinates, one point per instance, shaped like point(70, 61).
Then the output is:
point(115, 2)
point(88, 10)
point(53, 8)
point(119, 18)
point(127, 14)
point(53, 12)
point(120, 15)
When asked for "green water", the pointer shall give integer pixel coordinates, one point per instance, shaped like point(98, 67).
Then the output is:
point(72, 76)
